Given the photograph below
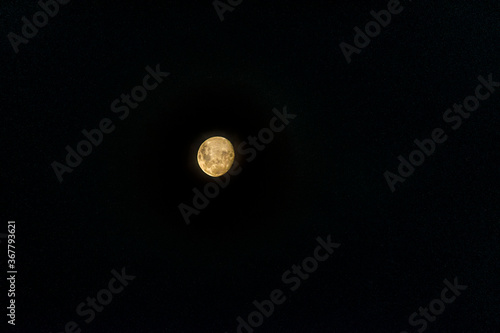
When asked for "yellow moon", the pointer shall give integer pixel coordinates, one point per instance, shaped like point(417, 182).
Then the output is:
point(216, 156)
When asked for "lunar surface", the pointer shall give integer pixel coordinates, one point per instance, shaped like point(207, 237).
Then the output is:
point(216, 156)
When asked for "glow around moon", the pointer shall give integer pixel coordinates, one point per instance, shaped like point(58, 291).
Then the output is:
point(216, 156)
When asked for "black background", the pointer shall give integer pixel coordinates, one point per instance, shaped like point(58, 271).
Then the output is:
point(322, 175)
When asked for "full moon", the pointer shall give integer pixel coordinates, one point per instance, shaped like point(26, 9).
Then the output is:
point(216, 156)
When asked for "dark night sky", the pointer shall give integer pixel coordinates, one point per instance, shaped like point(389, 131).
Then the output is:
point(323, 175)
